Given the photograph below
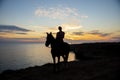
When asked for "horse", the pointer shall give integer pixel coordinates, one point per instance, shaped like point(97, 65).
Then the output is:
point(57, 50)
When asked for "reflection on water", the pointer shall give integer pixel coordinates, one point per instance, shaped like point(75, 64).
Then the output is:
point(17, 55)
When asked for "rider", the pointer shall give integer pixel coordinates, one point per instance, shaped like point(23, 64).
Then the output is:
point(60, 35)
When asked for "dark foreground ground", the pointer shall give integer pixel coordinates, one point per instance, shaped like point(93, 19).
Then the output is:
point(93, 65)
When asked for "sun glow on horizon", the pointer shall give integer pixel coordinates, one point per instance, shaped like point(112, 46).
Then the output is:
point(71, 33)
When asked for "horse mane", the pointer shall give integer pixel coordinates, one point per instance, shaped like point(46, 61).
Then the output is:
point(52, 37)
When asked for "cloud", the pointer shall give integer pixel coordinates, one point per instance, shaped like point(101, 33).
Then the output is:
point(40, 40)
point(12, 29)
point(57, 12)
point(70, 41)
point(116, 37)
point(9, 28)
point(78, 33)
point(84, 16)
point(22, 33)
point(65, 27)
point(71, 26)
point(97, 32)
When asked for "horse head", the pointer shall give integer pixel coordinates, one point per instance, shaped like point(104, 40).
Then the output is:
point(49, 39)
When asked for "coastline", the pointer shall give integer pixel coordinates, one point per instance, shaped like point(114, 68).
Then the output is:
point(100, 67)
point(95, 69)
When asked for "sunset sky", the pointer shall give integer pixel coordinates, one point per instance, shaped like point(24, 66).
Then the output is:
point(82, 20)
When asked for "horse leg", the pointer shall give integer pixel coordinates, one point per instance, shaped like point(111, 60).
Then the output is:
point(58, 65)
point(66, 59)
point(54, 65)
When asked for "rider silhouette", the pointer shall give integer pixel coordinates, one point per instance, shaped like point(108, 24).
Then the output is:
point(60, 35)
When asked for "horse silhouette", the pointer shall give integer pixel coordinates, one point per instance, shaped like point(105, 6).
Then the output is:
point(57, 50)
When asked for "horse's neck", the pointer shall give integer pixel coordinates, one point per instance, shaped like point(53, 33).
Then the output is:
point(53, 43)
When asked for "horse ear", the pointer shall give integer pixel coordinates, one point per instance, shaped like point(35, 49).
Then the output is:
point(47, 33)
point(50, 32)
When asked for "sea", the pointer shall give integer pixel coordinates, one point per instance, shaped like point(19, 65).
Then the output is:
point(15, 56)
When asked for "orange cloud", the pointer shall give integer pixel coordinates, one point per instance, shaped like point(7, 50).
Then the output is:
point(86, 36)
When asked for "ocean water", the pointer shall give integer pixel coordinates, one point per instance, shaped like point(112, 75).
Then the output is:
point(22, 55)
